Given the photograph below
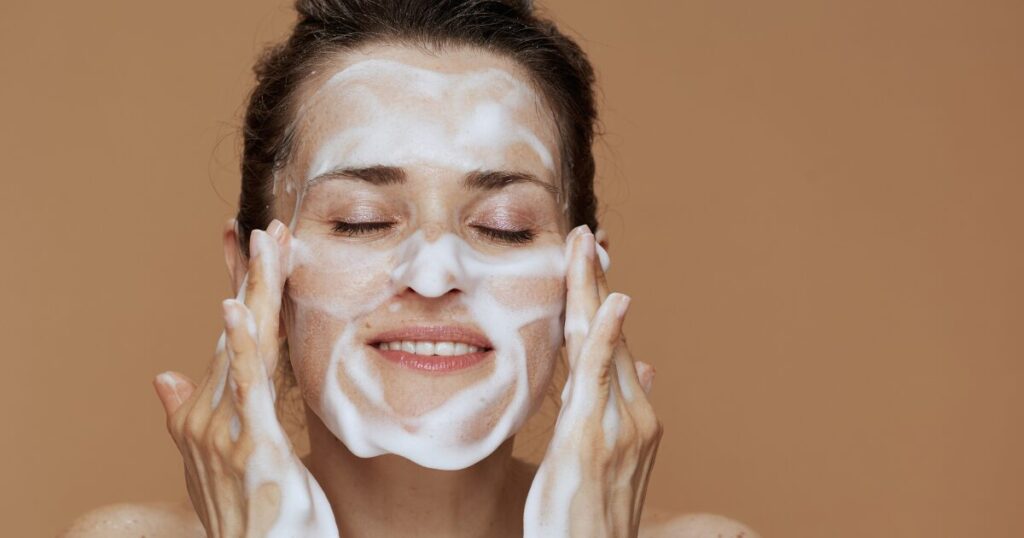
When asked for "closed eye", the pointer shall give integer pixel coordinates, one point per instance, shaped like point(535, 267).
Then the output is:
point(360, 228)
point(352, 229)
point(515, 237)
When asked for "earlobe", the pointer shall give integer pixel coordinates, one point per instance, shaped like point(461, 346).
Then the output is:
point(233, 257)
point(601, 237)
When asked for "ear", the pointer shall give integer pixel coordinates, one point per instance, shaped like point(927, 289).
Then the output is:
point(601, 237)
point(235, 260)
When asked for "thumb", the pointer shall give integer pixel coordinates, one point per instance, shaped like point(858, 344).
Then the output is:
point(173, 389)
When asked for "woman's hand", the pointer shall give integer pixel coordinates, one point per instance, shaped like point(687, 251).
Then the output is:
point(242, 475)
point(594, 475)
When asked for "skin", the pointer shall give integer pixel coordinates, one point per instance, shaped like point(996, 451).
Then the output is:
point(389, 495)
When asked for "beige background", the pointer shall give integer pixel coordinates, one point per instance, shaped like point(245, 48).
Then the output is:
point(815, 205)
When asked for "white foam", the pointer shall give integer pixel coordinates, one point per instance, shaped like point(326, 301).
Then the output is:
point(462, 121)
point(437, 438)
point(303, 509)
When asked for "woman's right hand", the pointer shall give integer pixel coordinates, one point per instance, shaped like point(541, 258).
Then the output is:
point(243, 477)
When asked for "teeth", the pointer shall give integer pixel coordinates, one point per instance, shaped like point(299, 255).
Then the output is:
point(429, 348)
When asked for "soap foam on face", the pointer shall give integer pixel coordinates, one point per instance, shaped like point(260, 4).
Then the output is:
point(406, 116)
point(437, 438)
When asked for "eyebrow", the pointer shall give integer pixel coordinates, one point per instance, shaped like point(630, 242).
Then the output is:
point(498, 179)
point(375, 175)
point(478, 179)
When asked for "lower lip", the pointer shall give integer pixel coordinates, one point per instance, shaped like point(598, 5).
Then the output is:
point(434, 363)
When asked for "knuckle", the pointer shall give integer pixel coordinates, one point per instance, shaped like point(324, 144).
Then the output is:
point(241, 389)
point(654, 431)
point(195, 427)
point(220, 442)
point(648, 424)
point(628, 430)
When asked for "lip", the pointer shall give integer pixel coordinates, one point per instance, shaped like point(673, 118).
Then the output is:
point(434, 333)
point(434, 363)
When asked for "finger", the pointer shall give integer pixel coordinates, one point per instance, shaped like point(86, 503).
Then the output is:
point(173, 389)
point(245, 369)
point(249, 384)
point(645, 372)
point(628, 378)
point(283, 236)
point(599, 347)
point(219, 371)
point(263, 293)
point(581, 295)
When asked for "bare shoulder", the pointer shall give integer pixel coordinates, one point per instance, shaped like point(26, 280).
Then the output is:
point(149, 519)
point(657, 523)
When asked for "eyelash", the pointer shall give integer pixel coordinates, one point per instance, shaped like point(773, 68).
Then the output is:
point(515, 237)
point(360, 228)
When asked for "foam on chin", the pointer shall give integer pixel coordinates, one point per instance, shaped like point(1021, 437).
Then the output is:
point(407, 116)
point(437, 439)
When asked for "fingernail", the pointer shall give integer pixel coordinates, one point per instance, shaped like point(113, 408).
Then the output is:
point(577, 231)
point(169, 384)
point(622, 305)
point(276, 229)
point(166, 379)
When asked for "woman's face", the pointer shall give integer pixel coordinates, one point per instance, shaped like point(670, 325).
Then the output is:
point(427, 289)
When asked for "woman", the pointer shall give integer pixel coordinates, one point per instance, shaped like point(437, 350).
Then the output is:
point(432, 161)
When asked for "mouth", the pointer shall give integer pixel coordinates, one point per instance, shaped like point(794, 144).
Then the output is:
point(434, 348)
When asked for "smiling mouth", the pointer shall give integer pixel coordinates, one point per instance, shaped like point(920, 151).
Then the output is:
point(433, 349)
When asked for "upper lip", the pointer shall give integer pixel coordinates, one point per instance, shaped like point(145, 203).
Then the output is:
point(435, 333)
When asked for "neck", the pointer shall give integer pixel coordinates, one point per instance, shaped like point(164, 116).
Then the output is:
point(391, 496)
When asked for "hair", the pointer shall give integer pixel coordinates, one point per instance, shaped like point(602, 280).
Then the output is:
point(509, 28)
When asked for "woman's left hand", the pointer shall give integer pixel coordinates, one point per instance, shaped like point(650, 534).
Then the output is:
point(594, 475)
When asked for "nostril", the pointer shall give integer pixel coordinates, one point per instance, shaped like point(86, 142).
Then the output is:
point(430, 268)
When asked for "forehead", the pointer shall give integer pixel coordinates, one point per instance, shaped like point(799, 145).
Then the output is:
point(391, 105)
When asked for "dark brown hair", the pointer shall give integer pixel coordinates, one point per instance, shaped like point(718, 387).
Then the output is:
point(509, 28)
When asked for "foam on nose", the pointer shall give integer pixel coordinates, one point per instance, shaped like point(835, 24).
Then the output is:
point(431, 268)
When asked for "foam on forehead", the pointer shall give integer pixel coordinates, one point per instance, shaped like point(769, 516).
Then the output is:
point(402, 114)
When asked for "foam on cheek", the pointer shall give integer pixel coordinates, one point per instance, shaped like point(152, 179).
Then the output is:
point(438, 438)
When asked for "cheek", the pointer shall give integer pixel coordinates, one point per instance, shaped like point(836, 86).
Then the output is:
point(519, 294)
point(542, 336)
point(323, 297)
point(338, 285)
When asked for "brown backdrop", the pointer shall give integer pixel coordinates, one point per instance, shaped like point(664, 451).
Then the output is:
point(815, 205)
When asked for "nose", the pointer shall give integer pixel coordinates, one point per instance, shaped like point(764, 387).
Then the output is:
point(431, 268)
